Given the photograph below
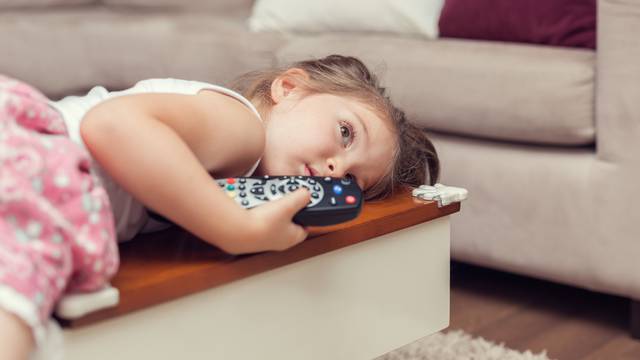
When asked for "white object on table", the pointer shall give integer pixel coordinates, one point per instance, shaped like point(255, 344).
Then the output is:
point(73, 306)
point(443, 194)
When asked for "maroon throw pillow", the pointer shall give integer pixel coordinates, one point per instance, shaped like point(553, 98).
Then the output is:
point(569, 23)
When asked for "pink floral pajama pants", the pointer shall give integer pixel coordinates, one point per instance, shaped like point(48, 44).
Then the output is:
point(57, 233)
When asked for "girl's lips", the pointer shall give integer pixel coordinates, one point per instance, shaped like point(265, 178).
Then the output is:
point(308, 171)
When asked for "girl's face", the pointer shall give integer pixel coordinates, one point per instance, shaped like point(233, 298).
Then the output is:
point(326, 135)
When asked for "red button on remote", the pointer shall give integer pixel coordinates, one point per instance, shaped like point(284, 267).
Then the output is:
point(231, 181)
point(350, 199)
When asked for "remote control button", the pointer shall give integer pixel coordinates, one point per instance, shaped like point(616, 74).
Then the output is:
point(315, 195)
point(257, 191)
point(242, 181)
point(281, 189)
point(231, 194)
point(332, 201)
point(346, 181)
point(327, 179)
point(292, 181)
point(231, 181)
point(243, 194)
point(273, 189)
point(230, 187)
point(317, 188)
point(222, 183)
point(337, 189)
point(245, 202)
point(311, 181)
point(242, 187)
point(293, 187)
point(350, 199)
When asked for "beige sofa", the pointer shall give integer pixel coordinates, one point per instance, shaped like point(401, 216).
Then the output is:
point(547, 140)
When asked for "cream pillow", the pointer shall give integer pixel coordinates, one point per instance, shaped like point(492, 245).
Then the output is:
point(410, 17)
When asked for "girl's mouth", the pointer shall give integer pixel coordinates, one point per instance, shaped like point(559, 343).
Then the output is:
point(308, 171)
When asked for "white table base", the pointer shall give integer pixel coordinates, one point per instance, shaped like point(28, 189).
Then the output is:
point(354, 303)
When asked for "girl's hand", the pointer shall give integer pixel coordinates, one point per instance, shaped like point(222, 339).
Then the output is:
point(273, 225)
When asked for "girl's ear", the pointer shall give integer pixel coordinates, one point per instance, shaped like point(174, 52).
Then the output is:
point(288, 83)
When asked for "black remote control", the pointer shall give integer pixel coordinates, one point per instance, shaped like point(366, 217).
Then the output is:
point(333, 200)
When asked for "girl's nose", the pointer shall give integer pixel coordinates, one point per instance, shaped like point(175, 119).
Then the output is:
point(333, 169)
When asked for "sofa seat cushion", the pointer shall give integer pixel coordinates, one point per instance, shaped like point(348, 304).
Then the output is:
point(504, 91)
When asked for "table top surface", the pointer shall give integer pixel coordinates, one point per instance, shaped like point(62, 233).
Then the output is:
point(166, 265)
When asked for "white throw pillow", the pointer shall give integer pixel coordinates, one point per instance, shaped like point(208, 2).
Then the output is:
point(411, 17)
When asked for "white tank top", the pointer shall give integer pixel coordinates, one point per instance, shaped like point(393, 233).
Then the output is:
point(131, 216)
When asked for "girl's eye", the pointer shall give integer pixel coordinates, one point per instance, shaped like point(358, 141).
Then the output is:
point(347, 134)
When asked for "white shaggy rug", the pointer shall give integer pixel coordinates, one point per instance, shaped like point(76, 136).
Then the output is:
point(458, 345)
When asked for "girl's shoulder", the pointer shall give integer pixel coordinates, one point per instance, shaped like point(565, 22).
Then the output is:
point(169, 85)
point(188, 87)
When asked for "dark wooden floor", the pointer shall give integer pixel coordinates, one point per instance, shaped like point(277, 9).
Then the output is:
point(525, 313)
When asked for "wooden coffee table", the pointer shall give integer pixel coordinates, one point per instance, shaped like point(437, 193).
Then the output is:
point(351, 291)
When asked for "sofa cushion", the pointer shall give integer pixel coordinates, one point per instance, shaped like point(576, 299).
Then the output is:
point(87, 47)
point(569, 23)
point(8, 4)
point(409, 17)
point(505, 91)
point(243, 6)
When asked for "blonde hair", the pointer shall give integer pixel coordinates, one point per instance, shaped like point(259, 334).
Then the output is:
point(415, 160)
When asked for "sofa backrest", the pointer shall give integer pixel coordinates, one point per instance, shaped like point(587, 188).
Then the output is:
point(618, 81)
point(218, 5)
point(11, 4)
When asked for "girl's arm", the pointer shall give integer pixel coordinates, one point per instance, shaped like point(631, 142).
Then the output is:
point(159, 147)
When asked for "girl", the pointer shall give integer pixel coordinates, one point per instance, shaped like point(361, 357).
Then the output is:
point(157, 146)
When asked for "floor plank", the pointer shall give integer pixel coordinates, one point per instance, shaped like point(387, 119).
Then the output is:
point(619, 349)
point(573, 339)
point(531, 314)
